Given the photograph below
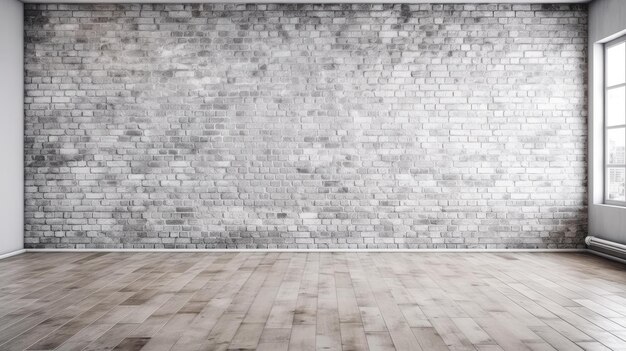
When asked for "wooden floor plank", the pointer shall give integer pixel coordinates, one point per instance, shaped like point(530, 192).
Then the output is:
point(311, 301)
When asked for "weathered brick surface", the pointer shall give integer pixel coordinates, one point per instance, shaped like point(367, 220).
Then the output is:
point(308, 126)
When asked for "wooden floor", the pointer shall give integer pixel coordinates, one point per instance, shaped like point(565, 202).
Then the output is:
point(312, 301)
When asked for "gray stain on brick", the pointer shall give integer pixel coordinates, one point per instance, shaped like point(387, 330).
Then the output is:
point(305, 126)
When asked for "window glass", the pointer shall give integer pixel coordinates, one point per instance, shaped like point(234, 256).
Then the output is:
point(615, 146)
point(616, 106)
point(616, 182)
point(616, 64)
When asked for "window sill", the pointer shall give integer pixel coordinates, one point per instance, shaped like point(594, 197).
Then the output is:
point(617, 207)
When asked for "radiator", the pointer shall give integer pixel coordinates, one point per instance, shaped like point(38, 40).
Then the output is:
point(606, 246)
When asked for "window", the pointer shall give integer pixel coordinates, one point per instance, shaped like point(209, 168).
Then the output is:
point(615, 122)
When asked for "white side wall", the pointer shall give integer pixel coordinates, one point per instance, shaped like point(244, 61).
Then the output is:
point(12, 127)
point(607, 20)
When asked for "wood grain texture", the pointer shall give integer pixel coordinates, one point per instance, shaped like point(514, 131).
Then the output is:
point(311, 301)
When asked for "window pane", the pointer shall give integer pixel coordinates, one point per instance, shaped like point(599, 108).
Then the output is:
point(616, 64)
point(617, 180)
point(615, 146)
point(615, 106)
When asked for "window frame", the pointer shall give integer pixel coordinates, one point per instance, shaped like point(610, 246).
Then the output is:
point(606, 166)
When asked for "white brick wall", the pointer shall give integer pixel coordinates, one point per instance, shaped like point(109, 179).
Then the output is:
point(308, 126)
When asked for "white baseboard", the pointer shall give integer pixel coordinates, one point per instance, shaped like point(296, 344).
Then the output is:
point(12, 253)
point(314, 250)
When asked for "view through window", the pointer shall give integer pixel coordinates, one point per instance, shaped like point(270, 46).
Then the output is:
point(615, 122)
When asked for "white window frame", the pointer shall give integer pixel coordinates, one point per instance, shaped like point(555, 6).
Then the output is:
point(606, 165)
